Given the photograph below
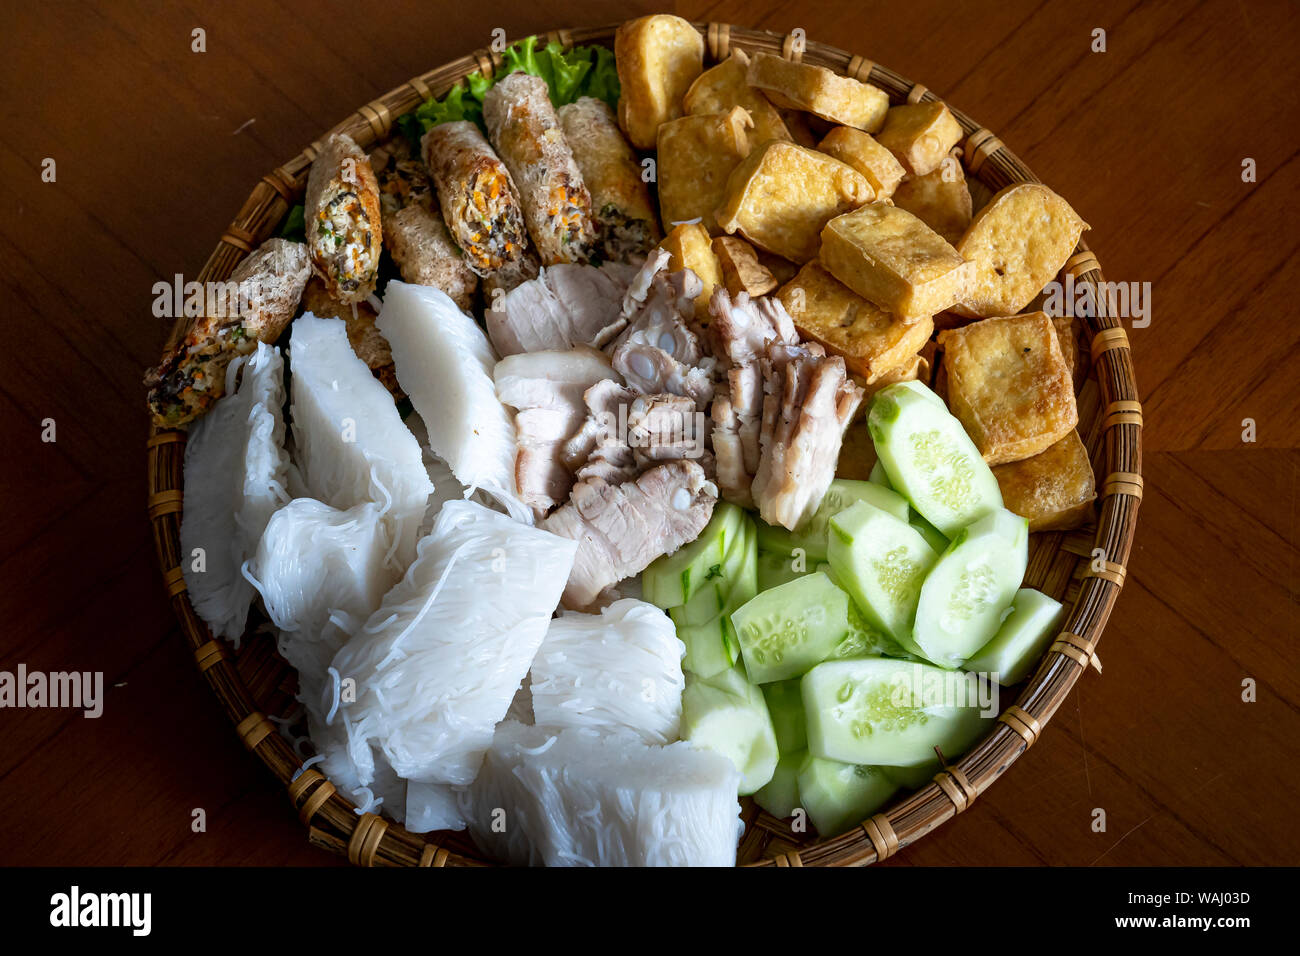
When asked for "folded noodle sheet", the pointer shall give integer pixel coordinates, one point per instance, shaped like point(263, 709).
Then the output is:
point(477, 195)
point(526, 133)
point(626, 226)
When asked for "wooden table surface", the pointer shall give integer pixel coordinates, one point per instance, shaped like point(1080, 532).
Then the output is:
point(156, 146)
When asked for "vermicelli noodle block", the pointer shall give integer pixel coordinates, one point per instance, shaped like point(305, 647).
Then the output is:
point(235, 470)
point(437, 665)
point(578, 797)
point(350, 443)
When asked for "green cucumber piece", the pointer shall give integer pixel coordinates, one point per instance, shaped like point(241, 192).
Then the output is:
point(864, 639)
point(780, 795)
point(966, 595)
point(785, 705)
point(929, 458)
point(913, 778)
point(704, 623)
point(843, 493)
point(776, 568)
point(878, 476)
point(728, 715)
point(932, 535)
point(1034, 620)
point(671, 580)
point(888, 713)
point(785, 631)
point(882, 562)
point(838, 796)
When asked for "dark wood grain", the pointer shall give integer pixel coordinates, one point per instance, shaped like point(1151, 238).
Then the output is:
point(155, 152)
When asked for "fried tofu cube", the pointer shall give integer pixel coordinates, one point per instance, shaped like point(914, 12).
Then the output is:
point(1018, 243)
point(1054, 489)
point(658, 58)
point(887, 255)
point(780, 197)
point(722, 88)
point(696, 156)
point(1065, 336)
point(861, 151)
point(741, 270)
point(817, 90)
point(1008, 385)
point(689, 247)
point(871, 340)
point(915, 369)
point(801, 131)
point(920, 135)
point(939, 199)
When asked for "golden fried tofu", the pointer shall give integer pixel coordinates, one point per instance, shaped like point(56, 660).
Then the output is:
point(741, 270)
point(1054, 489)
point(658, 58)
point(801, 132)
point(861, 151)
point(780, 197)
point(920, 135)
point(916, 368)
point(690, 248)
point(871, 340)
point(857, 450)
point(721, 88)
point(696, 155)
point(1065, 336)
point(1018, 243)
point(894, 259)
point(1009, 386)
point(817, 90)
point(939, 199)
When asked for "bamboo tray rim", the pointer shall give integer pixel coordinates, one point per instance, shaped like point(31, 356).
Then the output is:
point(371, 840)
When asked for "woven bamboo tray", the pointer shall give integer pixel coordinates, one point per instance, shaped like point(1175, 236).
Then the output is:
point(1085, 569)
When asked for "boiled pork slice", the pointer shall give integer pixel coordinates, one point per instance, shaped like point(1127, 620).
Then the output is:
point(546, 390)
point(566, 305)
point(808, 402)
point(620, 529)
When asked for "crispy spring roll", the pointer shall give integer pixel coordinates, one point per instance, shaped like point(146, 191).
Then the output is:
point(413, 228)
point(526, 133)
point(620, 199)
point(477, 196)
point(258, 300)
point(344, 231)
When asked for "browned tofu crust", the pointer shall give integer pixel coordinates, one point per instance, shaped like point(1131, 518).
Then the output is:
point(1054, 489)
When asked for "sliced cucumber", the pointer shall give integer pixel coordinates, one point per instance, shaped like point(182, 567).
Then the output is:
point(920, 390)
point(785, 631)
point(864, 639)
point(968, 591)
point(888, 713)
point(704, 623)
point(913, 778)
point(932, 535)
point(878, 476)
point(843, 493)
point(930, 459)
point(671, 581)
point(882, 562)
point(780, 795)
point(785, 705)
point(728, 715)
point(838, 796)
point(1034, 620)
point(775, 568)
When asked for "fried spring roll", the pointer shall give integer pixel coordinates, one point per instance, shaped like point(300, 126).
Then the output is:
point(258, 301)
point(344, 231)
point(413, 228)
point(526, 133)
point(626, 226)
point(478, 199)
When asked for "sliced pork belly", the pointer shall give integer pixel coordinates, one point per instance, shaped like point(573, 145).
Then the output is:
point(808, 401)
point(566, 305)
point(620, 529)
point(665, 428)
point(740, 332)
point(546, 390)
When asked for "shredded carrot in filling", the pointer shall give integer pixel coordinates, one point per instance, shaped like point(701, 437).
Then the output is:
point(496, 188)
